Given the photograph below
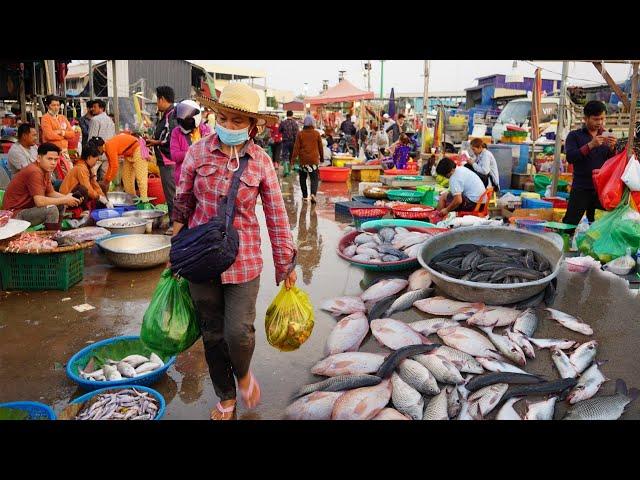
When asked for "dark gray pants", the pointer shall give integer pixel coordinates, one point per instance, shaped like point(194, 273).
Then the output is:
point(37, 215)
point(168, 185)
point(226, 313)
point(303, 181)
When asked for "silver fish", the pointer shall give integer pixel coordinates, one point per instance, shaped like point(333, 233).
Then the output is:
point(315, 406)
point(588, 385)
point(111, 373)
point(406, 399)
point(582, 357)
point(570, 322)
point(469, 411)
point(370, 252)
point(443, 370)
point(348, 334)
point(384, 288)
point(406, 301)
point(390, 414)
point(562, 344)
point(362, 403)
point(522, 342)
point(506, 346)
point(343, 305)
point(350, 251)
point(349, 363)
point(563, 364)
point(126, 370)
point(507, 412)
point(488, 397)
point(453, 401)
point(401, 230)
point(361, 258)
point(494, 365)
point(147, 367)
point(444, 306)
point(494, 317)
point(363, 238)
point(468, 341)
point(135, 360)
point(418, 376)
point(390, 258)
point(431, 325)
point(526, 323)
point(420, 279)
point(461, 360)
point(414, 250)
point(387, 234)
point(372, 245)
point(339, 383)
point(541, 410)
point(437, 408)
point(156, 359)
point(395, 334)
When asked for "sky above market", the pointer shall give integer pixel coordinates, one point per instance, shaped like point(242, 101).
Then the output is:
point(407, 75)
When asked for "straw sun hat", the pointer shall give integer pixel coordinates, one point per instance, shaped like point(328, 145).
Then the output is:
point(239, 98)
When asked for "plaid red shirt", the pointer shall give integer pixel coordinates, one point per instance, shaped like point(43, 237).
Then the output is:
point(205, 178)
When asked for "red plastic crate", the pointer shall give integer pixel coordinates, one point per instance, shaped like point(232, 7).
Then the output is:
point(413, 212)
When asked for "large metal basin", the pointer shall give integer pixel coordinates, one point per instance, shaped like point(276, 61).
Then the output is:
point(136, 251)
point(154, 215)
point(116, 225)
point(121, 198)
point(489, 293)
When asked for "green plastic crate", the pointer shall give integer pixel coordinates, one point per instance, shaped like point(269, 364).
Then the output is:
point(51, 271)
point(409, 196)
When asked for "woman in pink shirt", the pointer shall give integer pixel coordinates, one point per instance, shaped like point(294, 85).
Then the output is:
point(190, 129)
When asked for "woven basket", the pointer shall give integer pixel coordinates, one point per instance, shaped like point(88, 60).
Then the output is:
point(4, 245)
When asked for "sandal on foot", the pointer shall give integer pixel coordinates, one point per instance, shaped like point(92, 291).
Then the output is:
point(224, 411)
point(248, 393)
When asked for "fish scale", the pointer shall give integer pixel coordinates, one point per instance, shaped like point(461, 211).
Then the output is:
point(437, 408)
point(406, 399)
point(418, 376)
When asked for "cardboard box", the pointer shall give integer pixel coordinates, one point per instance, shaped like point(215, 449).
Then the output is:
point(545, 214)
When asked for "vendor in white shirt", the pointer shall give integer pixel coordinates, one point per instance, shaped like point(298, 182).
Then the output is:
point(25, 151)
point(485, 163)
point(465, 188)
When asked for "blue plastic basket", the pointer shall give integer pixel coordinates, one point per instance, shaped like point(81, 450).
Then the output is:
point(535, 203)
point(36, 410)
point(146, 379)
point(155, 393)
point(537, 226)
point(104, 213)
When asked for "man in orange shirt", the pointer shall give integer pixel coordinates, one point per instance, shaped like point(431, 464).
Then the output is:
point(56, 128)
point(135, 167)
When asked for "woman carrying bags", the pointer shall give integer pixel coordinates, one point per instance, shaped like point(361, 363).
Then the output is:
point(226, 304)
point(308, 148)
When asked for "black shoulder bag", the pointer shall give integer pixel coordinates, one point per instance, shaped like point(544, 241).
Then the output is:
point(202, 253)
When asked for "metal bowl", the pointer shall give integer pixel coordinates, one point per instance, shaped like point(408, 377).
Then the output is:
point(121, 198)
point(489, 293)
point(155, 215)
point(136, 251)
point(138, 225)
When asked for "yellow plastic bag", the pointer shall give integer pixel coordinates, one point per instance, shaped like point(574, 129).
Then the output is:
point(289, 319)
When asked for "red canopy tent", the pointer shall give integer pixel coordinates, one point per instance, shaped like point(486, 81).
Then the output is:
point(344, 91)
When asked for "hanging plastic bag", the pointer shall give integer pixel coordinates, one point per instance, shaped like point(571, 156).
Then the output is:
point(170, 325)
point(631, 175)
point(608, 180)
point(609, 237)
point(289, 319)
point(621, 265)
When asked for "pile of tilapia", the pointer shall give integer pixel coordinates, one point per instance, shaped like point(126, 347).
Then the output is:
point(470, 372)
point(129, 404)
point(129, 367)
point(388, 245)
point(491, 264)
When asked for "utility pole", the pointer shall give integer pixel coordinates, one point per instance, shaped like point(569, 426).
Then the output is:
point(560, 128)
point(116, 109)
point(381, 78)
point(632, 109)
point(35, 103)
point(368, 69)
point(425, 104)
point(91, 79)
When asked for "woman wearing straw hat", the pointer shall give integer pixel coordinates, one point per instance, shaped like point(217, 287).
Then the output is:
point(226, 305)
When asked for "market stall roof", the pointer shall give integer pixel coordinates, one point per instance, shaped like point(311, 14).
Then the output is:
point(344, 91)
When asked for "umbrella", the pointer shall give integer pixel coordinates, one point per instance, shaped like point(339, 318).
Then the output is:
point(535, 104)
point(392, 105)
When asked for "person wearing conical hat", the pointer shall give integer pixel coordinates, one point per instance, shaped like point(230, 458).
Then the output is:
point(226, 306)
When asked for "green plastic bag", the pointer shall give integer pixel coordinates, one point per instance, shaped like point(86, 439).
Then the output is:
point(289, 319)
point(170, 325)
point(1, 198)
point(609, 237)
point(541, 183)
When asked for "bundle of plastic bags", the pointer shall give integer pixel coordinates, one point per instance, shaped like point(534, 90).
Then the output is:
point(289, 319)
point(609, 237)
point(170, 325)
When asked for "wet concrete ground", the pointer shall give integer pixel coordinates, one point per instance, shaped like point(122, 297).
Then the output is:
point(39, 332)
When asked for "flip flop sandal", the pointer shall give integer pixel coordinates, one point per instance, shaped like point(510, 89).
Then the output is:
point(223, 411)
point(247, 394)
